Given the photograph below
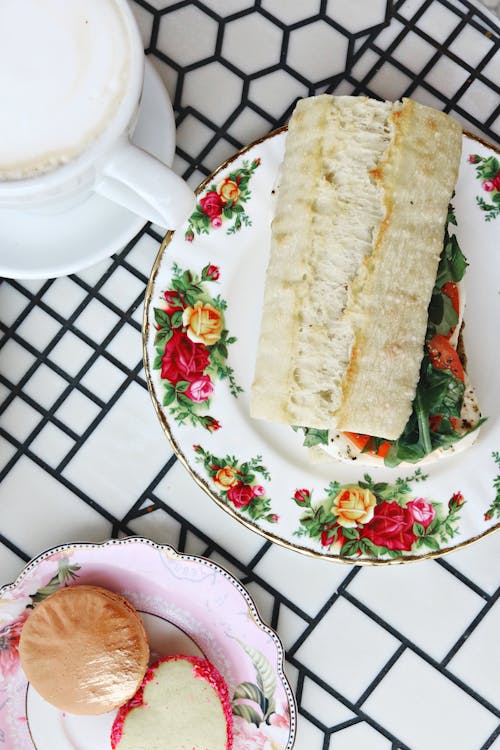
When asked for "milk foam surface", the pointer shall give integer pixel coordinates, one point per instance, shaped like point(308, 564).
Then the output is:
point(64, 66)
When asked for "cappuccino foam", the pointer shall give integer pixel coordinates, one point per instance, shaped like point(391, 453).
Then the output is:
point(64, 66)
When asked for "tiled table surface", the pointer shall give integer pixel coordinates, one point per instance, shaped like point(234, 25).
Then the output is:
point(397, 658)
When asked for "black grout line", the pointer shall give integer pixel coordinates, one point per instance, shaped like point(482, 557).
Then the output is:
point(306, 672)
point(462, 578)
point(14, 548)
point(491, 739)
point(421, 653)
point(380, 676)
point(470, 629)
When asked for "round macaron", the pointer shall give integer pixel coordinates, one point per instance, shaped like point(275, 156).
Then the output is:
point(84, 650)
point(183, 702)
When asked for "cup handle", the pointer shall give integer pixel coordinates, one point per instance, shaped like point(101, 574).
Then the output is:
point(135, 179)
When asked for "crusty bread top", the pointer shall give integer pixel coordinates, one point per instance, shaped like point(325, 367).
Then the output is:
point(356, 240)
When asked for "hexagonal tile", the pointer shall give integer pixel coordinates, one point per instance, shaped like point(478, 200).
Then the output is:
point(222, 6)
point(276, 91)
point(243, 36)
point(323, 60)
point(187, 35)
point(288, 12)
point(213, 90)
point(341, 11)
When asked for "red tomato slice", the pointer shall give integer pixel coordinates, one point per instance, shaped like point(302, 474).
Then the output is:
point(451, 291)
point(444, 357)
point(361, 442)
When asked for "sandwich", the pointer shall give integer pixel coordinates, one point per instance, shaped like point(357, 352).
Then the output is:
point(363, 285)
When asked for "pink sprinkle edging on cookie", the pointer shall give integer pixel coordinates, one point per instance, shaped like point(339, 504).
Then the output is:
point(203, 670)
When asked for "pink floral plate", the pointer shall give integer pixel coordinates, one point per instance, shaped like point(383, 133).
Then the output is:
point(201, 327)
point(188, 604)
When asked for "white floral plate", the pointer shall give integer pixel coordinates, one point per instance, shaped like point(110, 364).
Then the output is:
point(201, 326)
point(188, 604)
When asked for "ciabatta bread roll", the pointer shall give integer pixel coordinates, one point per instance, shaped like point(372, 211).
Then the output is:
point(356, 240)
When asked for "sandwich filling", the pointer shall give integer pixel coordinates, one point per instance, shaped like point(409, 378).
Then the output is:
point(357, 286)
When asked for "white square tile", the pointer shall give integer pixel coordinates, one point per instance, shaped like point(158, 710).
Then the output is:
point(347, 649)
point(249, 126)
point(219, 153)
point(365, 64)
point(19, 419)
point(193, 135)
point(424, 602)
point(413, 52)
point(77, 412)
point(423, 96)
point(39, 328)
point(12, 304)
point(126, 346)
point(180, 492)
point(7, 450)
point(143, 254)
point(51, 445)
point(370, 14)
point(360, 735)
point(474, 562)
point(49, 513)
point(10, 565)
point(323, 706)
point(71, 353)
point(103, 379)
point(125, 451)
point(308, 582)
point(93, 274)
point(290, 626)
point(438, 22)
point(479, 101)
point(45, 386)
point(96, 321)
point(15, 361)
point(471, 45)
point(425, 710)
point(138, 313)
point(64, 296)
point(477, 662)
point(446, 76)
point(34, 285)
point(389, 83)
point(386, 36)
point(123, 289)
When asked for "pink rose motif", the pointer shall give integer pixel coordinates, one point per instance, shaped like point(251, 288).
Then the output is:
point(422, 511)
point(200, 390)
point(9, 645)
point(259, 490)
point(216, 222)
point(391, 527)
point(474, 158)
point(241, 495)
point(488, 185)
point(496, 181)
point(211, 204)
point(273, 518)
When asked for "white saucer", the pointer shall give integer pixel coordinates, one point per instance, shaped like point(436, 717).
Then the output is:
point(39, 246)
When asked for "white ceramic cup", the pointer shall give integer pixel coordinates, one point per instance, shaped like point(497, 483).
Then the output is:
point(108, 164)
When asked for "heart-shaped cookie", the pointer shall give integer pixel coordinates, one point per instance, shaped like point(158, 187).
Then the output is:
point(182, 704)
